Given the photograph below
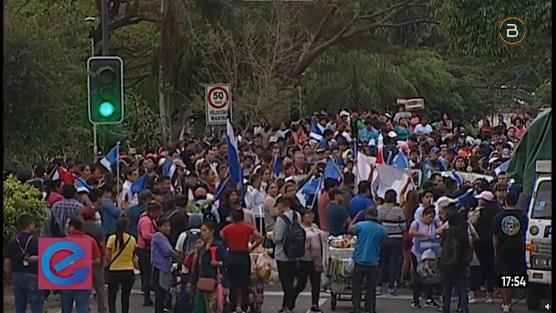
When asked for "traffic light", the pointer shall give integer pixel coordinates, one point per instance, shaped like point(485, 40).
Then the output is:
point(105, 82)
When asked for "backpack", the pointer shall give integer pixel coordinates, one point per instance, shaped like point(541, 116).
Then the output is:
point(189, 242)
point(294, 238)
point(54, 227)
point(453, 255)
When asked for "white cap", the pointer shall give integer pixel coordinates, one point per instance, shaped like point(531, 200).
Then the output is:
point(443, 202)
point(428, 255)
point(392, 134)
point(344, 113)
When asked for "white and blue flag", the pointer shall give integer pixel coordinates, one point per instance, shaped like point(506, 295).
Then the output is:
point(111, 158)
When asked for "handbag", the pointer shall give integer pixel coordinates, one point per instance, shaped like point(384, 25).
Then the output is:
point(205, 284)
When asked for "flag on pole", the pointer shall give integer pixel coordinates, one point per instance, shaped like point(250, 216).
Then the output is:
point(317, 131)
point(332, 171)
point(233, 156)
point(82, 186)
point(309, 189)
point(60, 173)
point(111, 158)
point(140, 184)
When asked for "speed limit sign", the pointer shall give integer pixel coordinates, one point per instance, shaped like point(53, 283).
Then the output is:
point(219, 100)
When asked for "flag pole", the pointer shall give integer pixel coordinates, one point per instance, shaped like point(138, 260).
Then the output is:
point(118, 167)
point(317, 194)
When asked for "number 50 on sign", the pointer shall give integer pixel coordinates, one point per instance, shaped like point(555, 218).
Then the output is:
point(219, 103)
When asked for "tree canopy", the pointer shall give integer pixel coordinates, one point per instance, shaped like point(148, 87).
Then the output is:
point(278, 57)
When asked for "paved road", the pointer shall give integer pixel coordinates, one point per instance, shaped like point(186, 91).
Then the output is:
point(273, 300)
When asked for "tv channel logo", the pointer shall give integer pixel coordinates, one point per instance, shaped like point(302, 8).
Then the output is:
point(512, 30)
point(65, 263)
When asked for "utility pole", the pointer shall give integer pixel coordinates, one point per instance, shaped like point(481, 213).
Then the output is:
point(95, 139)
point(105, 27)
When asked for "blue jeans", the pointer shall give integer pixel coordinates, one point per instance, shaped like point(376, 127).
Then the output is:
point(391, 257)
point(185, 298)
point(459, 281)
point(80, 297)
point(26, 291)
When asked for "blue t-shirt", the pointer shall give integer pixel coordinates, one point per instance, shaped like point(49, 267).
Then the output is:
point(359, 203)
point(324, 145)
point(366, 135)
point(370, 236)
point(402, 133)
point(337, 216)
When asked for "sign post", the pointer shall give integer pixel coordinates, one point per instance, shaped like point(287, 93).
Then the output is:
point(219, 103)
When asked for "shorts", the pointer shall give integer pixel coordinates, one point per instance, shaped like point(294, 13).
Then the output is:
point(503, 267)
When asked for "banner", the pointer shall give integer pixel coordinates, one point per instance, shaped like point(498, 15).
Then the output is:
point(388, 177)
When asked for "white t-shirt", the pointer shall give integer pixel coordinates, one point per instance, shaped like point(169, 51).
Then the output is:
point(179, 246)
point(423, 130)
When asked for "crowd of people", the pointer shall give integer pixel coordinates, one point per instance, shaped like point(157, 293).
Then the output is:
point(195, 217)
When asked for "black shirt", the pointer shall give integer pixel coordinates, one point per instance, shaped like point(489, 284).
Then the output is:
point(510, 227)
point(19, 246)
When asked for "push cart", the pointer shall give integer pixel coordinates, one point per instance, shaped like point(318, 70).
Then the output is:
point(339, 272)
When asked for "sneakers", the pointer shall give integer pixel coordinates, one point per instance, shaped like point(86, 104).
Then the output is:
point(316, 309)
point(506, 308)
point(415, 305)
point(471, 296)
point(391, 292)
point(489, 299)
point(431, 304)
point(378, 291)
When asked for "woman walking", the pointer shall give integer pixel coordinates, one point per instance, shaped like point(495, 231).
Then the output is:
point(213, 259)
point(120, 249)
point(238, 235)
point(310, 265)
point(393, 219)
point(162, 254)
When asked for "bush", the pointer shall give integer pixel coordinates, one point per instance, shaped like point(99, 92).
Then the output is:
point(21, 199)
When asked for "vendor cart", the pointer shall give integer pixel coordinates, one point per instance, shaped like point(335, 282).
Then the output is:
point(339, 272)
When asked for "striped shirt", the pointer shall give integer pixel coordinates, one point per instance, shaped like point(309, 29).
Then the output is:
point(64, 210)
point(393, 220)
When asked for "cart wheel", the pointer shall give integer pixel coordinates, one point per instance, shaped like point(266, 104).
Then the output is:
point(333, 301)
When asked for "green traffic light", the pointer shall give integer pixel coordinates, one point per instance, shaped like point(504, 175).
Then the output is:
point(106, 109)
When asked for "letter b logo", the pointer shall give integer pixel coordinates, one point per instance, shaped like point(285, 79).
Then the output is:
point(512, 30)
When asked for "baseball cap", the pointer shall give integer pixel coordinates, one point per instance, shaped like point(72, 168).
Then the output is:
point(344, 113)
point(428, 255)
point(443, 202)
point(435, 150)
point(485, 195)
point(195, 220)
point(371, 211)
point(392, 134)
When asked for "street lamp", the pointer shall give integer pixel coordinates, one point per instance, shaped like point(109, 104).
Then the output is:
point(90, 20)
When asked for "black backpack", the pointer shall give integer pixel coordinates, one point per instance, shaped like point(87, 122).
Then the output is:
point(54, 227)
point(454, 254)
point(294, 238)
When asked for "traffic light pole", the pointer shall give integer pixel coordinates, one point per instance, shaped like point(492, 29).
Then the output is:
point(105, 26)
point(95, 140)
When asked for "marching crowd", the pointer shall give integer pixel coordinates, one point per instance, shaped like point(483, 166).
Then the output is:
point(439, 235)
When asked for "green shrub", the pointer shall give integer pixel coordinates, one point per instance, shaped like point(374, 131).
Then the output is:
point(21, 199)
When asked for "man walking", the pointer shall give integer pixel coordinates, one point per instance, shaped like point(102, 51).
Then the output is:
point(509, 245)
point(80, 297)
point(22, 267)
point(370, 236)
point(65, 209)
point(287, 266)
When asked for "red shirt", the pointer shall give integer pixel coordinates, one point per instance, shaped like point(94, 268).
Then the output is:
point(237, 236)
point(80, 234)
point(324, 200)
